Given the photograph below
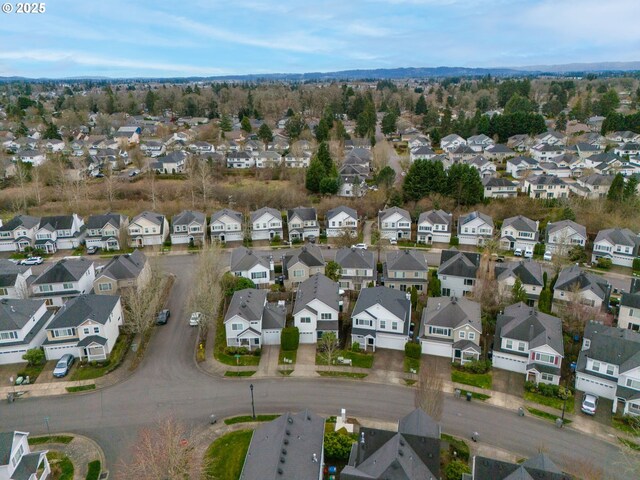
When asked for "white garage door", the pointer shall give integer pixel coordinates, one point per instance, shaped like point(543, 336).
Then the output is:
point(55, 352)
point(12, 355)
point(438, 349)
point(271, 337)
point(307, 337)
point(509, 363)
point(595, 387)
point(393, 342)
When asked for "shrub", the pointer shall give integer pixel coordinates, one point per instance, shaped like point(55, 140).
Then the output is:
point(455, 470)
point(337, 445)
point(547, 390)
point(412, 350)
point(289, 339)
point(34, 356)
point(355, 347)
point(539, 249)
point(636, 264)
point(605, 263)
point(454, 242)
point(477, 366)
point(277, 268)
point(236, 351)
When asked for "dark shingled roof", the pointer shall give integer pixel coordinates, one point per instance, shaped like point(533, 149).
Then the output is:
point(122, 267)
point(317, 287)
point(64, 271)
point(406, 260)
point(305, 214)
point(539, 467)
point(9, 272)
point(530, 273)
point(247, 303)
point(355, 258)
point(459, 264)
point(393, 300)
point(521, 322)
point(617, 346)
point(187, 217)
point(243, 259)
point(573, 276)
point(20, 221)
point(630, 300)
point(348, 210)
point(450, 313)
point(228, 212)
point(309, 255)
point(83, 307)
point(439, 217)
point(383, 214)
point(58, 222)
point(95, 222)
point(521, 224)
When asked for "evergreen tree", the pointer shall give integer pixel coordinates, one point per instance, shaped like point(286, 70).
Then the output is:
point(544, 302)
point(630, 188)
point(366, 121)
point(421, 106)
point(315, 173)
point(22, 130)
point(518, 293)
point(464, 184)
point(245, 124)
point(389, 123)
point(225, 123)
point(616, 190)
point(324, 156)
point(329, 185)
point(561, 122)
point(51, 132)
point(150, 101)
point(265, 134)
point(294, 127)
point(323, 129)
point(423, 178)
point(518, 104)
point(386, 177)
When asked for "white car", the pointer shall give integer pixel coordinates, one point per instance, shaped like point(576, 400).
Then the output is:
point(32, 261)
point(589, 404)
point(360, 246)
point(547, 256)
point(196, 319)
point(393, 241)
point(517, 252)
point(528, 253)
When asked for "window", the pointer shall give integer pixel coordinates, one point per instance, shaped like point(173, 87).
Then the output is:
point(509, 344)
point(595, 366)
point(46, 288)
point(446, 292)
point(63, 332)
point(635, 384)
point(364, 323)
point(472, 336)
point(8, 335)
point(546, 377)
point(86, 330)
point(634, 408)
point(383, 324)
point(462, 335)
point(394, 325)
point(469, 281)
point(544, 357)
point(236, 327)
point(18, 456)
point(325, 316)
point(3, 291)
point(67, 286)
point(305, 319)
point(258, 275)
point(96, 330)
point(298, 273)
point(442, 331)
point(611, 370)
point(521, 346)
point(104, 287)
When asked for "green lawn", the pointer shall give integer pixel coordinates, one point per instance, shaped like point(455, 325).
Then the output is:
point(552, 402)
point(81, 388)
point(94, 470)
point(480, 380)
point(342, 374)
point(244, 373)
point(61, 466)
point(459, 445)
point(89, 371)
point(225, 456)
point(220, 346)
point(32, 371)
point(291, 355)
point(360, 360)
point(620, 424)
point(411, 363)
point(64, 439)
point(478, 396)
point(249, 418)
point(545, 415)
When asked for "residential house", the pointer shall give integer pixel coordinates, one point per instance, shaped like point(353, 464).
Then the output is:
point(413, 452)
point(417, 140)
point(353, 180)
point(543, 152)
point(301, 264)
point(122, 272)
point(539, 467)
point(434, 226)
point(463, 153)
point(381, 319)
point(394, 224)
point(563, 235)
point(584, 150)
point(87, 327)
point(475, 228)
point(405, 269)
point(629, 311)
point(620, 245)
point(17, 461)
point(530, 342)
point(13, 280)
point(302, 223)
point(551, 137)
point(268, 159)
point(189, 227)
point(251, 322)
point(202, 148)
point(246, 263)
point(498, 152)
point(128, 134)
point(520, 167)
point(589, 289)
point(519, 143)
point(341, 221)
point(478, 143)
point(317, 308)
point(451, 142)
point(545, 187)
point(18, 233)
point(148, 228)
point(63, 280)
point(298, 161)
point(226, 226)
point(172, 163)
point(519, 232)
point(22, 327)
point(592, 186)
point(609, 366)
point(457, 272)
point(240, 159)
point(451, 327)
point(266, 224)
point(498, 187)
point(624, 137)
point(106, 231)
point(61, 232)
point(619, 165)
point(627, 149)
point(530, 275)
point(33, 157)
point(485, 167)
point(291, 447)
point(153, 148)
point(358, 268)
point(423, 152)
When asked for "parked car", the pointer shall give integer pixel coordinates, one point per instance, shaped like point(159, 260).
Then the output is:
point(393, 241)
point(63, 366)
point(32, 261)
point(92, 250)
point(163, 317)
point(528, 253)
point(547, 256)
point(589, 404)
point(311, 239)
point(517, 252)
point(497, 258)
point(360, 246)
point(196, 319)
point(134, 172)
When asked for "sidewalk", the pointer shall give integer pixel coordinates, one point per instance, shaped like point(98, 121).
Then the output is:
point(81, 451)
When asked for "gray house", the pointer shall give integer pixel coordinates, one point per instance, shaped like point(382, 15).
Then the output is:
point(302, 223)
point(301, 264)
point(394, 224)
point(434, 226)
point(105, 231)
point(405, 269)
point(539, 467)
point(457, 272)
point(620, 245)
point(189, 227)
point(266, 224)
point(530, 275)
point(563, 235)
point(358, 268)
point(226, 226)
point(316, 308)
point(591, 289)
point(519, 233)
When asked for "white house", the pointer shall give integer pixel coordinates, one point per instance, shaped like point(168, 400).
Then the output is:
point(423, 152)
point(148, 228)
point(620, 245)
point(551, 137)
point(226, 226)
point(609, 366)
point(33, 157)
point(266, 224)
point(87, 327)
point(189, 227)
point(316, 308)
point(251, 321)
point(341, 221)
point(268, 159)
point(246, 263)
point(18, 233)
point(518, 167)
point(591, 290)
point(478, 143)
point(519, 232)
point(22, 327)
point(629, 312)
point(563, 235)
point(394, 224)
point(475, 228)
point(451, 327)
point(153, 148)
point(302, 223)
point(451, 142)
point(530, 342)
point(543, 152)
point(61, 232)
point(434, 226)
point(105, 231)
point(13, 280)
point(65, 279)
point(485, 167)
point(546, 187)
point(457, 272)
point(17, 461)
point(529, 273)
point(240, 160)
point(498, 187)
point(381, 319)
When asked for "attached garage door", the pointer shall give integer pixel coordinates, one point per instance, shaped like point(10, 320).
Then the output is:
point(12, 355)
point(393, 342)
point(509, 363)
point(271, 337)
point(595, 386)
point(438, 349)
point(55, 352)
point(307, 337)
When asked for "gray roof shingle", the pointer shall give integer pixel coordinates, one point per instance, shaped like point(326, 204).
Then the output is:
point(83, 307)
point(317, 287)
point(521, 322)
point(459, 264)
point(64, 271)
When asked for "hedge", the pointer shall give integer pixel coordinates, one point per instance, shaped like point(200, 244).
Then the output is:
point(412, 350)
point(289, 339)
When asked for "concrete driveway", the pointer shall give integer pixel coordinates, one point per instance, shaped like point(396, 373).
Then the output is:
point(442, 365)
point(391, 360)
point(508, 382)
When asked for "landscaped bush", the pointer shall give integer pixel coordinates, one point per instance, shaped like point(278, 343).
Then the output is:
point(454, 242)
point(636, 264)
point(289, 339)
point(237, 351)
point(539, 249)
point(355, 347)
point(337, 445)
point(455, 469)
point(477, 366)
point(412, 350)
point(547, 390)
point(605, 263)
point(277, 269)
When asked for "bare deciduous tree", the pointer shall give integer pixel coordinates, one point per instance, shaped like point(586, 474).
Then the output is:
point(151, 174)
point(142, 302)
point(429, 395)
point(111, 184)
point(486, 290)
point(22, 176)
point(576, 314)
point(328, 347)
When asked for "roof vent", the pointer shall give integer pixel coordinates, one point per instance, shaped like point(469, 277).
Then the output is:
point(280, 471)
point(401, 453)
point(402, 442)
point(286, 441)
point(282, 459)
point(290, 420)
point(284, 451)
point(287, 432)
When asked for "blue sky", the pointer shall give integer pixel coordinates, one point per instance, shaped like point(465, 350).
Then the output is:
point(198, 37)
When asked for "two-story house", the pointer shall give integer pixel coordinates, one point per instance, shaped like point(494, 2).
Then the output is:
point(451, 327)
point(478, 143)
point(18, 233)
point(87, 327)
point(226, 226)
point(189, 227)
point(545, 187)
point(475, 228)
point(530, 342)
point(266, 224)
point(394, 224)
point(268, 159)
point(381, 319)
point(13, 280)
point(543, 152)
point(22, 327)
point(251, 321)
point(620, 245)
point(65, 279)
point(302, 223)
point(609, 366)
point(434, 226)
point(316, 308)
point(341, 221)
point(450, 142)
point(123, 272)
point(61, 232)
point(105, 231)
point(593, 186)
point(498, 187)
point(240, 160)
point(485, 167)
point(519, 232)
point(148, 228)
point(17, 461)
point(520, 167)
point(246, 263)
point(629, 312)
point(405, 269)
point(540, 467)
point(530, 275)
point(422, 152)
point(172, 163)
point(457, 272)
point(358, 268)
point(563, 235)
point(574, 284)
point(300, 264)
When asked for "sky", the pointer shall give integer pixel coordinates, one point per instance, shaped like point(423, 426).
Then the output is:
point(133, 38)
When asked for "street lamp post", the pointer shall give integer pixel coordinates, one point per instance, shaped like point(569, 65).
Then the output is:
point(253, 407)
